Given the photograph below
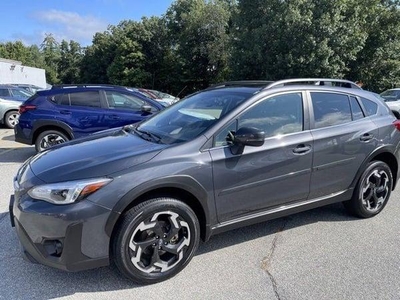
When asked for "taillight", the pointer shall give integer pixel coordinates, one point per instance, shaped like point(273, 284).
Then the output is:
point(24, 108)
point(397, 124)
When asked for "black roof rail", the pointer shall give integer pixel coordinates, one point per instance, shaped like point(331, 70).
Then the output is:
point(70, 86)
point(242, 83)
point(315, 81)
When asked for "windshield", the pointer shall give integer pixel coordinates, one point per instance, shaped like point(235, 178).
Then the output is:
point(391, 95)
point(192, 116)
point(22, 93)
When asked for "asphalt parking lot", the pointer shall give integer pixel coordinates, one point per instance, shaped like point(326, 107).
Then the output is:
point(319, 254)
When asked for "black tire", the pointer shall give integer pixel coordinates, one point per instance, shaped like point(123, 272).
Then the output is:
point(11, 119)
point(372, 191)
point(172, 226)
point(50, 138)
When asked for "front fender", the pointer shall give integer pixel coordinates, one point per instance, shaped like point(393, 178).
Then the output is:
point(182, 182)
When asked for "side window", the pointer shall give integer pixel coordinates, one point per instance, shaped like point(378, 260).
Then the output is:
point(330, 109)
point(61, 99)
point(223, 137)
point(4, 93)
point(88, 99)
point(371, 107)
point(356, 109)
point(122, 101)
point(281, 114)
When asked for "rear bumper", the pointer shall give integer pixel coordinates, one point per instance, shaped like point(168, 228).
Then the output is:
point(68, 238)
point(23, 136)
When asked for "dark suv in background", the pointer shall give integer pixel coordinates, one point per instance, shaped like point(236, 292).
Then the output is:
point(142, 196)
point(63, 113)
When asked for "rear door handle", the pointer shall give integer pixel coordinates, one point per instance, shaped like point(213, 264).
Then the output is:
point(366, 137)
point(302, 149)
point(65, 112)
point(114, 117)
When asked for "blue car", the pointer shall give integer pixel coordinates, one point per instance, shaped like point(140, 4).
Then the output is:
point(66, 112)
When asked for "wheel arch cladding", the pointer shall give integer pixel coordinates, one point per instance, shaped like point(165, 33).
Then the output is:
point(177, 192)
point(391, 161)
point(385, 155)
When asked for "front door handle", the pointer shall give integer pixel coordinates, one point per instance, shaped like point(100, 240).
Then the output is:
point(114, 117)
point(366, 137)
point(302, 149)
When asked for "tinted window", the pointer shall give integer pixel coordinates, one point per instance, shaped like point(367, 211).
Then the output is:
point(330, 109)
point(91, 99)
point(356, 109)
point(122, 101)
point(371, 107)
point(282, 114)
point(4, 93)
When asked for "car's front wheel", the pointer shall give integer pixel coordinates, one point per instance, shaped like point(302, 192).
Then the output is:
point(372, 191)
point(155, 240)
point(49, 138)
point(11, 119)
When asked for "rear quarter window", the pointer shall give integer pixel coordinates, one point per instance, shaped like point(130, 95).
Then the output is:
point(371, 108)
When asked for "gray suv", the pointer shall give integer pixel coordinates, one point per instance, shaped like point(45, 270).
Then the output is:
point(142, 196)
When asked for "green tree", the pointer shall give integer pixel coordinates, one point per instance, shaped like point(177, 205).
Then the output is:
point(98, 57)
point(50, 49)
point(276, 39)
point(69, 63)
point(378, 63)
point(199, 36)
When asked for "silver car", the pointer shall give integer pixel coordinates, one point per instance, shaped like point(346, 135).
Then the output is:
point(392, 98)
point(11, 98)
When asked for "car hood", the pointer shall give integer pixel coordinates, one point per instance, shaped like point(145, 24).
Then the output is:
point(97, 155)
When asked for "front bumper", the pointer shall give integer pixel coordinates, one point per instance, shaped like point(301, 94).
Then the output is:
point(70, 237)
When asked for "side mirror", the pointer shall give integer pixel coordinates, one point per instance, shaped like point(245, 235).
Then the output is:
point(247, 136)
point(146, 108)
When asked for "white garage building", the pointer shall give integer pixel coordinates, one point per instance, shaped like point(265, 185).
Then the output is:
point(13, 72)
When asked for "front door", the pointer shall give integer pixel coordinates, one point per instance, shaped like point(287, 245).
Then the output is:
point(272, 175)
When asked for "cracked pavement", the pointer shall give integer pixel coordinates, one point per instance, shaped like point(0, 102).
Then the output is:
point(319, 254)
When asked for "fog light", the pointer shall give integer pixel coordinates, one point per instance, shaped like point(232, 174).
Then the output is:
point(53, 247)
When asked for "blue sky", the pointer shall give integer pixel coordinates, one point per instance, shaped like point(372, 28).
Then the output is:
point(29, 21)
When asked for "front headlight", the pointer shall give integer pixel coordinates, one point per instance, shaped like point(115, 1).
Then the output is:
point(67, 192)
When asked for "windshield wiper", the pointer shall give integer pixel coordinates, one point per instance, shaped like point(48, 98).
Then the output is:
point(150, 136)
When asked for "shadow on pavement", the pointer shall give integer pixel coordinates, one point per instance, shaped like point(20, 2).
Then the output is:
point(51, 283)
point(16, 155)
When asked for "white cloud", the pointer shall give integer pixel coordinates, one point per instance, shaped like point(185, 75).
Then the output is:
point(70, 25)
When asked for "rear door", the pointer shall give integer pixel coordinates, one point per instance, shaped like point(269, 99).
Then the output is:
point(343, 135)
point(82, 111)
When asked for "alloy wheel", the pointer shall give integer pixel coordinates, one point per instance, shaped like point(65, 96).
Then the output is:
point(159, 243)
point(51, 140)
point(375, 190)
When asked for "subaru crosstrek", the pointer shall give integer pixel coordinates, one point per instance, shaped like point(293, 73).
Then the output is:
point(142, 196)
point(52, 117)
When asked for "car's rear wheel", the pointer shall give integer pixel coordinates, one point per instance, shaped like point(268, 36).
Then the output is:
point(155, 240)
point(372, 191)
point(11, 119)
point(49, 138)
